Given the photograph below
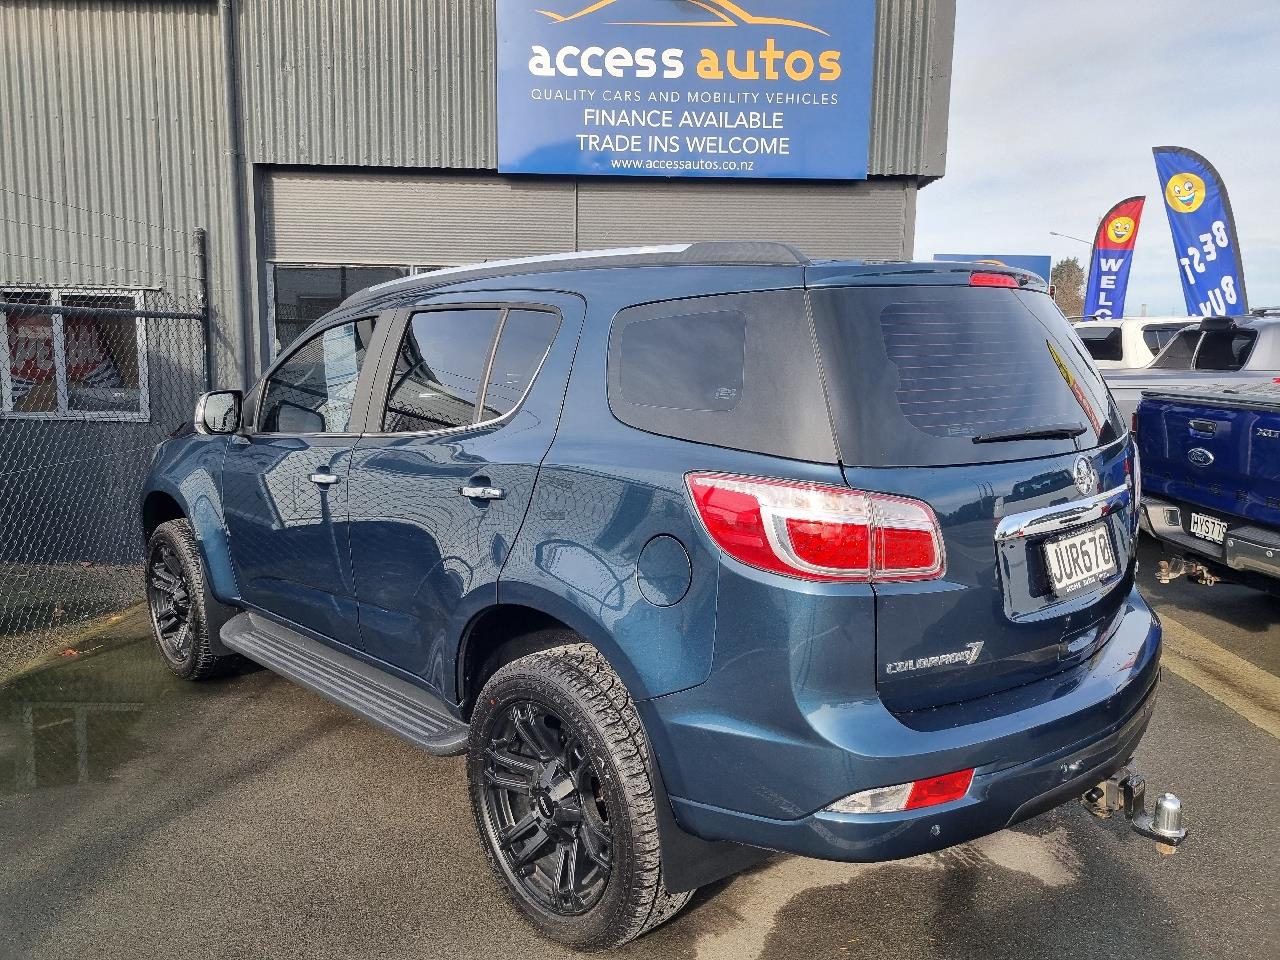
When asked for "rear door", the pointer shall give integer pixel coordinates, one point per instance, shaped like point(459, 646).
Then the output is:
point(470, 400)
point(938, 393)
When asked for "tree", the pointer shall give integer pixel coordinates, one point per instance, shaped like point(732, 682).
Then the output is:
point(1068, 286)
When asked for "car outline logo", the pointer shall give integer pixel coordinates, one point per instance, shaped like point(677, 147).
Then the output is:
point(1086, 477)
point(725, 12)
point(1200, 456)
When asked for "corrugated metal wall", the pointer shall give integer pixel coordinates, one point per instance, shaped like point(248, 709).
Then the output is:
point(110, 149)
point(410, 83)
point(401, 83)
point(113, 144)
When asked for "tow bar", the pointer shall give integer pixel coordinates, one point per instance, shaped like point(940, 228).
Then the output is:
point(1127, 791)
point(1170, 570)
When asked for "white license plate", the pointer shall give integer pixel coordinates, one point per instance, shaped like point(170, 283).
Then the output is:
point(1208, 528)
point(1080, 560)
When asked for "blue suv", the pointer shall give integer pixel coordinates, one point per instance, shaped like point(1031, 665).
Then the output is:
point(697, 552)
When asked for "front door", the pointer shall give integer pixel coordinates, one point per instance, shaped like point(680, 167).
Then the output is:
point(438, 495)
point(285, 486)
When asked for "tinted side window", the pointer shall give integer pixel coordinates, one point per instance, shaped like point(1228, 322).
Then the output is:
point(526, 337)
point(734, 371)
point(439, 370)
point(1157, 338)
point(1178, 353)
point(314, 390)
point(1225, 350)
point(1103, 343)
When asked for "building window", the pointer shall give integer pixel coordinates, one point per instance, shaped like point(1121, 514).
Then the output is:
point(302, 295)
point(71, 362)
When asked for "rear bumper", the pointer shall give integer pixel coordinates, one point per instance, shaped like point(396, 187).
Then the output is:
point(1247, 548)
point(998, 798)
point(1032, 749)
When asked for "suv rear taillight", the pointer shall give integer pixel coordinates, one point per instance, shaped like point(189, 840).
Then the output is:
point(816, 532)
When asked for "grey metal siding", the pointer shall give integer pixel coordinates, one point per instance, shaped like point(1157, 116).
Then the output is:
point(413, 219)
point(410, 83)
point(111, 151)
point(912, 91)
point(866, 219)
point(407, 219)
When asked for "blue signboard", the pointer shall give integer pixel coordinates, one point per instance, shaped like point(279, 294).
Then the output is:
point(1040, 266)
point(685, 88)
point(1204, 233)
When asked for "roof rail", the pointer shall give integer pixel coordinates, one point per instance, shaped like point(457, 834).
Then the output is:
point(706, 253)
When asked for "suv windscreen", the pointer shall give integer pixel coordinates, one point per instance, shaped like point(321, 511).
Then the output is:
point(1211, 350)
point(934, 376)
point(1103, 343)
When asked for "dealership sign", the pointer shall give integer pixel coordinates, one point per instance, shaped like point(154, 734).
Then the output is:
point(685, 88)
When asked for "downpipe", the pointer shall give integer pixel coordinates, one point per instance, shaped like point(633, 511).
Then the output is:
point(1126, 791)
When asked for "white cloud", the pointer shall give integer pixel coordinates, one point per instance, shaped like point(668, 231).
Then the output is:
point(1055, 108)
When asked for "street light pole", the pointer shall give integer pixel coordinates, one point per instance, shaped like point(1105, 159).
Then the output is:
point(1067, 236)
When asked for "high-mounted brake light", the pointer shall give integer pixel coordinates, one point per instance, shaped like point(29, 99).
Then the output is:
point(908, 796)
point(816, 532)
point(993, 280)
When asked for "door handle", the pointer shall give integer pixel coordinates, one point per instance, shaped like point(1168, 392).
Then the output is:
point(483, 493)
point(323, 479)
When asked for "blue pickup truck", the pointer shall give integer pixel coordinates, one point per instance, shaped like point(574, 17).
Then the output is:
point(1211, 459)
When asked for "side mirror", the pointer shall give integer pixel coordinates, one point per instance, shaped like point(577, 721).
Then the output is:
point(219, 412)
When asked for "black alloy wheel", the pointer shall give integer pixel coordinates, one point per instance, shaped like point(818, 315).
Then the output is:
point(543, 796)
point(181, 606)
point(169, 595)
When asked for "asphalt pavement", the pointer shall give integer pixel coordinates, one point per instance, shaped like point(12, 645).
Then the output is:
point(144, 817)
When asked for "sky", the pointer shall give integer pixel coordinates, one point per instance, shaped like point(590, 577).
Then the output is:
point(1055, 107)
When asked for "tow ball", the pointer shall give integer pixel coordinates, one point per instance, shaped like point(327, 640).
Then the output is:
point(1170, 570)
point(1127, 791)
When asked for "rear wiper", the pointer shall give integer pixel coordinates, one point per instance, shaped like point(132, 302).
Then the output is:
point(1050, 431)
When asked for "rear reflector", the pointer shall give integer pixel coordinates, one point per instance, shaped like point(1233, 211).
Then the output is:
point(816, 532)
point(936, 790)
point(908, 796)
point(993, 280)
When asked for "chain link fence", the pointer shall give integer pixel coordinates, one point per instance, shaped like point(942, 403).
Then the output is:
point(92, 378)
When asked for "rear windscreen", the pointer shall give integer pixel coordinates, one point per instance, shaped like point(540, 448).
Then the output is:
point(918, 374)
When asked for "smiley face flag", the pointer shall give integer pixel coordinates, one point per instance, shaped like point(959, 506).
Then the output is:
point(1204, 233)
point(1112, 258)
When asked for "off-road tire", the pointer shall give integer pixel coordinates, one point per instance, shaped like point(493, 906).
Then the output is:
point(195, 660)
point(577, 683)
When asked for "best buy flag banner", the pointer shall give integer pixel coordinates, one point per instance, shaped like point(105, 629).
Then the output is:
point(1204, 233)
point(740, 89)
point(1112, 259)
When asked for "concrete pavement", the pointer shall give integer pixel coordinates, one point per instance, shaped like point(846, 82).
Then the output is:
point(144, 817)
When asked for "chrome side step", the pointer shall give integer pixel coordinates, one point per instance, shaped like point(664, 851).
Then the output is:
point(388, 702)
